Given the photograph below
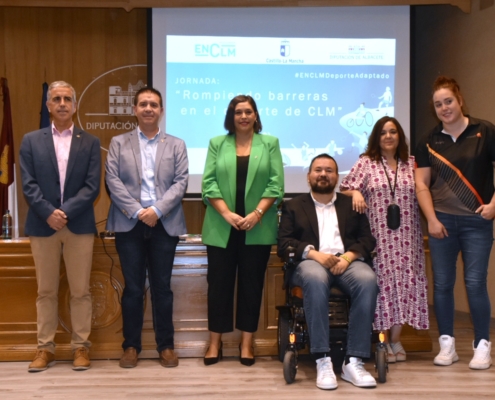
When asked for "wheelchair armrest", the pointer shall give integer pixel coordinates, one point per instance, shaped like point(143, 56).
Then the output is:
point(288, 269)
point(289, 265)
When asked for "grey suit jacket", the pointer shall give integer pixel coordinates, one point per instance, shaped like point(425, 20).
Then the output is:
point(123, 177)
point(41, 181)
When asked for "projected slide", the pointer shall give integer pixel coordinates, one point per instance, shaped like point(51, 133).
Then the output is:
point(316, 95)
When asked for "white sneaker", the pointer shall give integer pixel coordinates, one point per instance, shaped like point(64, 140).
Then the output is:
point(355, 373)
point(447, 354)
point(325, 377)
point(390, 355)
point(482, 358)
point(399, 352)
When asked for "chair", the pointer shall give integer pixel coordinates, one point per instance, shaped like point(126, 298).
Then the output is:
point(292, 332)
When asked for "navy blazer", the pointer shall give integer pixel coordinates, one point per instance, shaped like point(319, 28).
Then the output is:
point(41, 181)
point(299, 227)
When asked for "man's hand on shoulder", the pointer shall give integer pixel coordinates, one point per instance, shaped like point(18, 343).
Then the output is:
point(326, 260)
point(57, 220)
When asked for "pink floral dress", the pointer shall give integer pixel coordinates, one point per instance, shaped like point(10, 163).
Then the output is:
point(400, 260)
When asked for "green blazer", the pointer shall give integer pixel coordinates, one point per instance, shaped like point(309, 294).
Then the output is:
point(265, 178)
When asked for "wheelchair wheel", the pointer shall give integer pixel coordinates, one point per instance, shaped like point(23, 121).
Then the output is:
point(290, 366)
point(381, 363)
point(283, 333)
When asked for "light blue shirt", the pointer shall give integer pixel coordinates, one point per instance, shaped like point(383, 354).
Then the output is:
point(148, 157)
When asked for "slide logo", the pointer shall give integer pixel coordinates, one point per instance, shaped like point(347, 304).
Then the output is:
point(285, 48)
point(120, 101)
point(357, 49)
point(215, 50)
point(105, 104)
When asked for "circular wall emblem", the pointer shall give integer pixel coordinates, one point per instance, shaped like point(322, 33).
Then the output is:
point(106, 292)
point(106, 103)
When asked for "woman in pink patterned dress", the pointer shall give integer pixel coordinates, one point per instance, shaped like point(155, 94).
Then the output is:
point(381, 184)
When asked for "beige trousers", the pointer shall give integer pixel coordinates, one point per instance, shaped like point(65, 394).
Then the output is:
point(77, 251)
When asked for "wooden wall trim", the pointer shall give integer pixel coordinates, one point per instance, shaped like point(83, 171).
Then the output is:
point(128, 5)
point(19, 290)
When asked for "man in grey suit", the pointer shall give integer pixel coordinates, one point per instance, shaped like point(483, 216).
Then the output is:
point(60, 170)
point(146, 174)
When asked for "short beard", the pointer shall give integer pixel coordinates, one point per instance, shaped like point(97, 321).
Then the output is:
point(322, 189)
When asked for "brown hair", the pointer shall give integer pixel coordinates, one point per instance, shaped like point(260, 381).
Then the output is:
point(373, 147)
point(146, 89)
point(444, 82)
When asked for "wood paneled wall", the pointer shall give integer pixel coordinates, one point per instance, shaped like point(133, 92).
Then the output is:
point(464, 5)
point(72, 44)
point(40, 44)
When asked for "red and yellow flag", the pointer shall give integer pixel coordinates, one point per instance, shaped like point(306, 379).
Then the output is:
point(6, 149)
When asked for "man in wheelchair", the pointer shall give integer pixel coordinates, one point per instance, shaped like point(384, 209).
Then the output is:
point(333, 247)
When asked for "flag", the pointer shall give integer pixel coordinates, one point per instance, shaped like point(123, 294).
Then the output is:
point(44, 114)
point(6, 149)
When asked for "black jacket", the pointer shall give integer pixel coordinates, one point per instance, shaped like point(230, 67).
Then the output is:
point(299, 227)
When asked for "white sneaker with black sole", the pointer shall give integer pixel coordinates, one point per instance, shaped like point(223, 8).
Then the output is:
point(482, 358)
point(447, 354)
point(325, 377)
point(355, 373)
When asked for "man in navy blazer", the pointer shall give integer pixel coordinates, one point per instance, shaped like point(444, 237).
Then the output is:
point(60, 170)
point(146, 174)
point(333, 244)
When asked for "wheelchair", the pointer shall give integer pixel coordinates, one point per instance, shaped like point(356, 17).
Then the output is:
point(293, 336)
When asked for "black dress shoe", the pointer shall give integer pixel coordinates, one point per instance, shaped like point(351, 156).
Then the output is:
point(213, 360)
point(247, 361)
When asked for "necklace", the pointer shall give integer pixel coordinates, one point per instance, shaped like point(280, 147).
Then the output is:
point(392, 190)
point(393, 210)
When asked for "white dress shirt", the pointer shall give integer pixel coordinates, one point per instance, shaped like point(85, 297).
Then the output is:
point(328, 228)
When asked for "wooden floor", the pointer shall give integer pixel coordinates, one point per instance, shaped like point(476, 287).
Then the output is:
point(413, 379)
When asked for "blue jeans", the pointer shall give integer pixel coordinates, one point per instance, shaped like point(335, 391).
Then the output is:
point(359, 282)
point(473, 237)
point(153, 249)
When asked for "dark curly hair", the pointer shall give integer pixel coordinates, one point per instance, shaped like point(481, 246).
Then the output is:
point(373, 148)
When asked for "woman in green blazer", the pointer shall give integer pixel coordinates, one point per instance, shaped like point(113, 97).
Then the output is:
point(243, 183)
